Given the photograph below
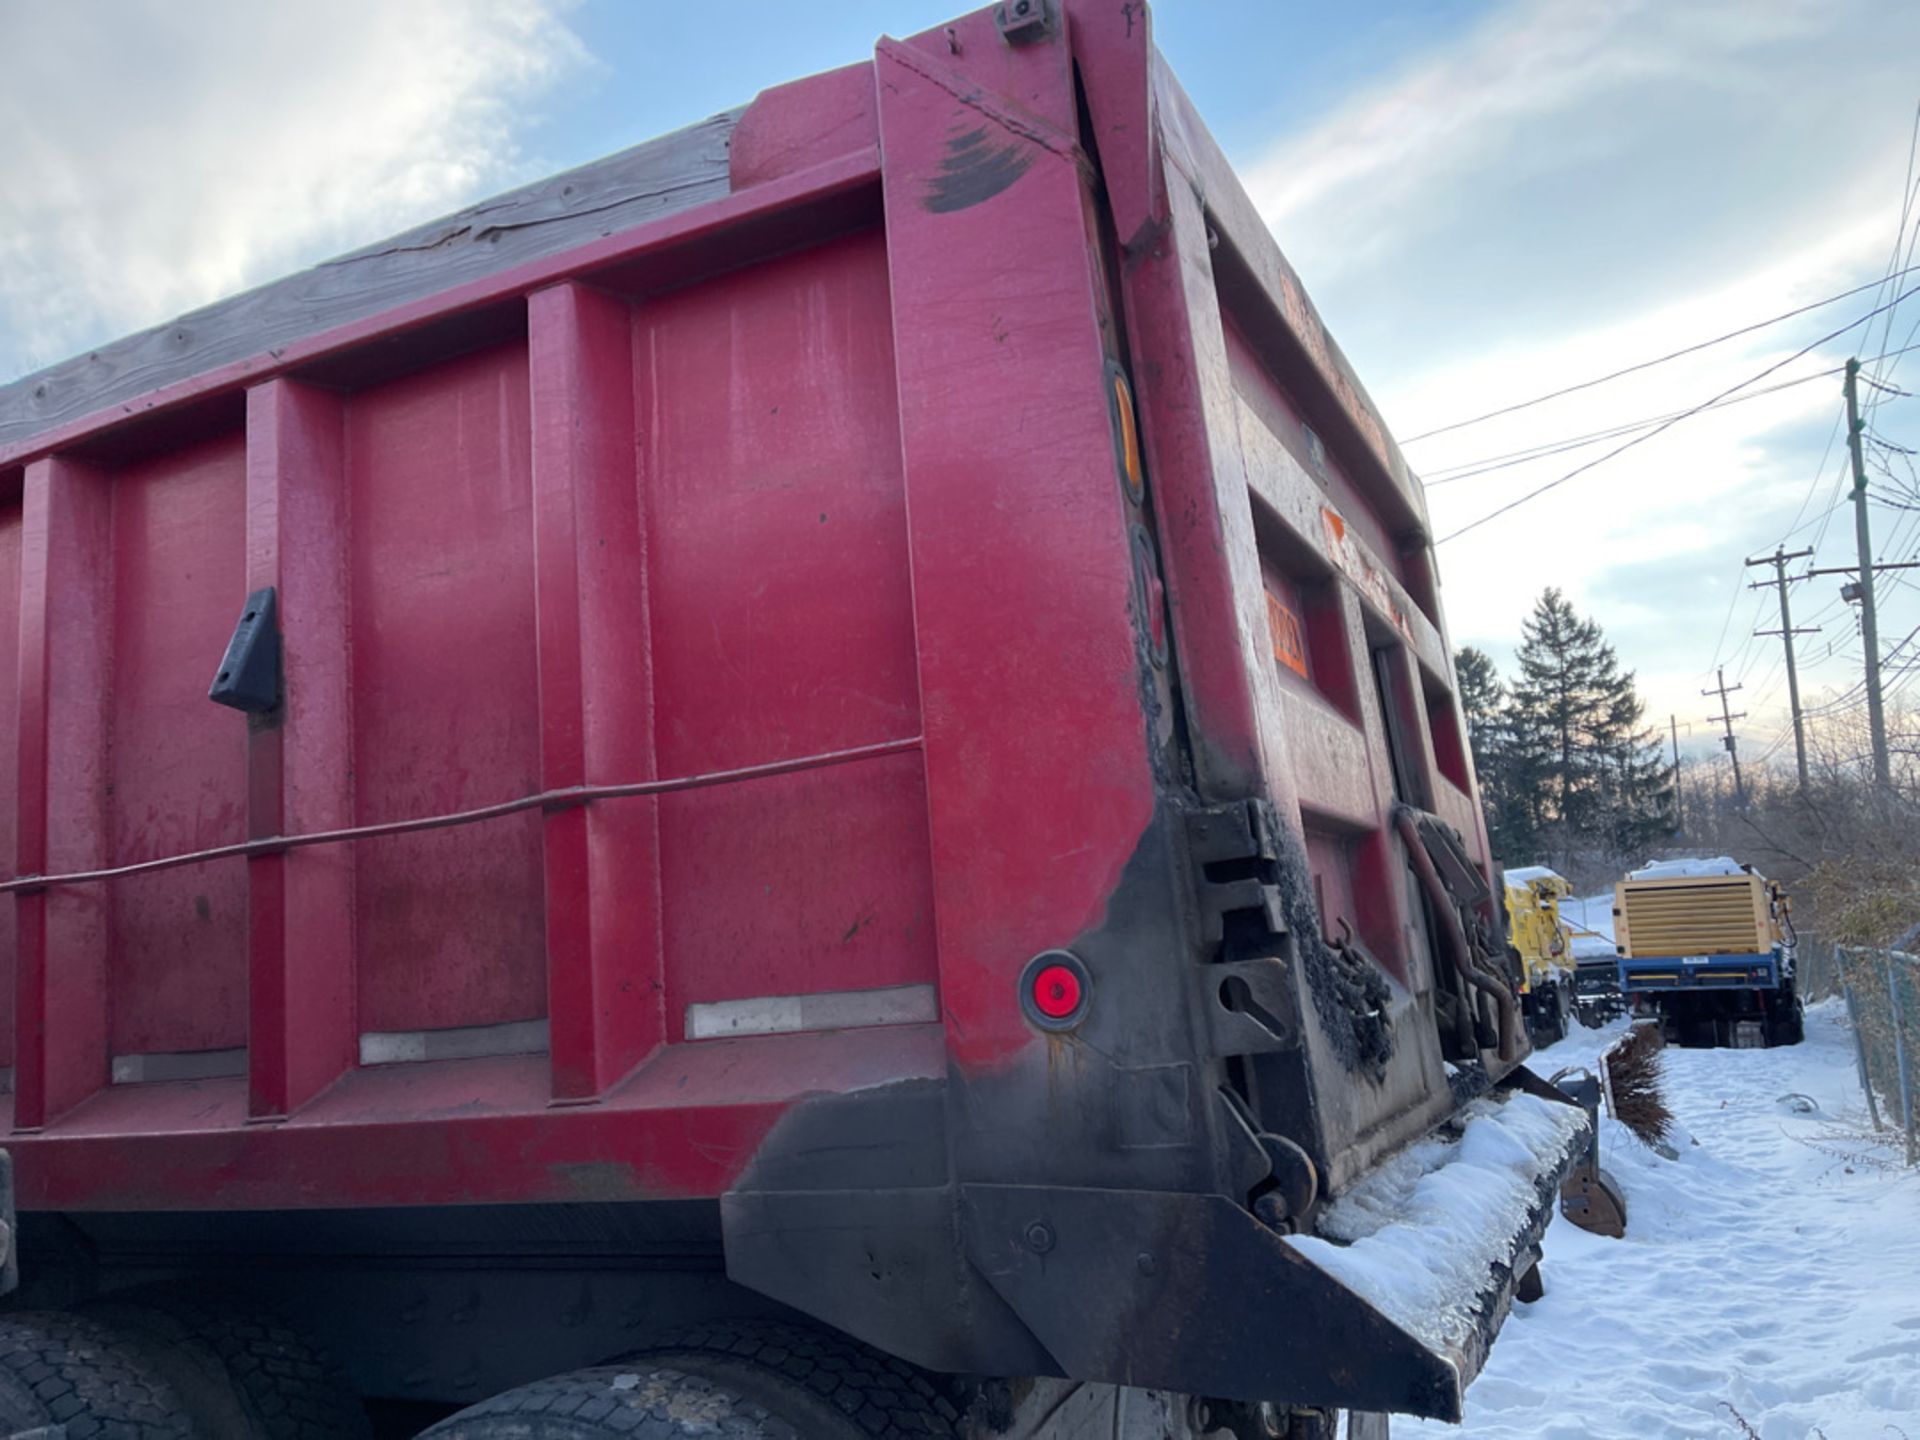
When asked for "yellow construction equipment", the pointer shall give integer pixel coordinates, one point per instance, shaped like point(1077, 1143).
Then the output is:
point(1542, 941)
point(1708, 945)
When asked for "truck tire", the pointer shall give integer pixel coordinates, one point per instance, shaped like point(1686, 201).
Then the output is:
point(1786, 1018)
point(798, 1368)
point(750, 1379)
point(82, 1380)
point(241, 1372)
point(636, 1402)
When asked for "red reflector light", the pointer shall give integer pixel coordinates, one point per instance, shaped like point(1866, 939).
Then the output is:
point(1056, 992)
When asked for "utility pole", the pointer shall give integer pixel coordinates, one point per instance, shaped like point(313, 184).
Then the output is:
point(1679, 800)
point(1733, 747)
point(1786, 632)
point(1861, 590)
point(1869, 621)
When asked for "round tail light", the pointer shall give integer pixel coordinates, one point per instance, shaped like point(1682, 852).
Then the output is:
point(1055, 989)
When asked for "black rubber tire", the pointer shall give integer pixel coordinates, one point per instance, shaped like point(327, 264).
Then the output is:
point(794, 1370)
point(242, 1372)
point(82, 1374)
point(1786, 1022)
point(754, 1380)
point(636, 1401)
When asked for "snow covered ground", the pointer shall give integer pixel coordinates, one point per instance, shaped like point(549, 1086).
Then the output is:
point(1774, 1268)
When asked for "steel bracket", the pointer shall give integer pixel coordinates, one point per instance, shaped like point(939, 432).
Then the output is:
point(1021, 22)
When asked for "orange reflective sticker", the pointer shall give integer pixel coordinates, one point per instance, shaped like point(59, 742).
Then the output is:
point(1289, 635)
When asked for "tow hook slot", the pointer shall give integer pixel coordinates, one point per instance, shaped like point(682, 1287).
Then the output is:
point(1247, 993)
point(1248, 1008)
point(1236, 865)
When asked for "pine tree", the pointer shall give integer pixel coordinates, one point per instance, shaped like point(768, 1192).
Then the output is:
point(1481, 695)
point(1496, 765)
point(1640, 790)
point(1586, 772)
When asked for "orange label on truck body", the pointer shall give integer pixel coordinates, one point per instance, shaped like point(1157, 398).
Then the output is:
point(1346, 552)
point(1289, 635)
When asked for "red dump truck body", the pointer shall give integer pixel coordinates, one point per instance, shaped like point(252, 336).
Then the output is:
point(845, 677)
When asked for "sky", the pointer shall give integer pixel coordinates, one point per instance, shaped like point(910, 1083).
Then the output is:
point(1488, 200)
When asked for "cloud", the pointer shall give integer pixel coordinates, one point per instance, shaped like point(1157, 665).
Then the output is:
point(159, 158)
point(1537, 91)
point(1570, 186)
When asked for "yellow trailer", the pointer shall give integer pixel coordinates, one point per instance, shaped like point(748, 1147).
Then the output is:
point(1709, 946)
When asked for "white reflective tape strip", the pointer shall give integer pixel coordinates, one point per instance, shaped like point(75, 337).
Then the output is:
point(179, 1065)
point(397, 1047)
point(833, 1010)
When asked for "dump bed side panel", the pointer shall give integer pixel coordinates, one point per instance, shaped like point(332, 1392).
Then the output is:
point(783, 626)
point(445, 717)
point(178, 940)
point(648, 532)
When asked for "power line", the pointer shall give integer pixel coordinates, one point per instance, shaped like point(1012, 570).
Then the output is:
point(1795, 528)
point(1661, 429)
point(1466, 469)
point(1909, 191)
point(1658, 360)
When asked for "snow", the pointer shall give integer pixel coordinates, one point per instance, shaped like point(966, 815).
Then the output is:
point(1420, 1235)
point(1527, 874)
point(1593, 913)
point(1774, 1268)
point(1690, 868)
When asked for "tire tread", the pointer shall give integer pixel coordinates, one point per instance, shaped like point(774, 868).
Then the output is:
point(624, 1400)
point(89, 1378)
point(286, 1387)
point(887, 1398)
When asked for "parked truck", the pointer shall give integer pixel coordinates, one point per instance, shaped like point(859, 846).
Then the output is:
point(1543, 943)
point(1708, 946)
point(806, 781)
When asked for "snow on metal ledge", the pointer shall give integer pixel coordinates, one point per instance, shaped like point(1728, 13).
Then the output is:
point(1423, 1237)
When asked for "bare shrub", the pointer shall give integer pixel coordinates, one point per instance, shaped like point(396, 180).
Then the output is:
point(1634, 1073)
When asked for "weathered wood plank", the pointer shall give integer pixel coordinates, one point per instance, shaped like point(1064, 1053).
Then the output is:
point(672, 173)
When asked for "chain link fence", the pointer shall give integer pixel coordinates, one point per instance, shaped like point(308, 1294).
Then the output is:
point(1882, 989)
point(1816, 969)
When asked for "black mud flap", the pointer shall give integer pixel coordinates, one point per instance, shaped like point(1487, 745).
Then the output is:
point(1390, 1308)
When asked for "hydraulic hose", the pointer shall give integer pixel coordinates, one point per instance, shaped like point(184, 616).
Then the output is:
point(1462, 953)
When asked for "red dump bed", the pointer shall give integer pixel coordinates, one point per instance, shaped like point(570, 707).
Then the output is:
point(779, 484)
